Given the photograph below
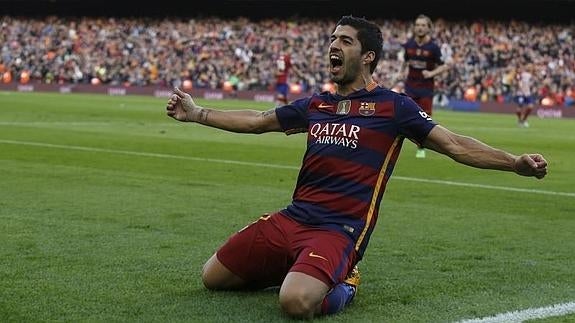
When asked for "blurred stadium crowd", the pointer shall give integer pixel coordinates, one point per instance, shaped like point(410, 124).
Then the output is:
point(215, 52)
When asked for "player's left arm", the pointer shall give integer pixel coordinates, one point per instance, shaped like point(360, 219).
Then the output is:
point(443, 64)
point(472, 152)
point(438, 70)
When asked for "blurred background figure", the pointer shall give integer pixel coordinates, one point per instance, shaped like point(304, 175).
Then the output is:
point(524, 99)
point(284, 67)
point(423, 60)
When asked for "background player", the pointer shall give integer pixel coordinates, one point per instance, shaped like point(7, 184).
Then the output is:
point(284, 67)
point(524, 99)
point(422, 58)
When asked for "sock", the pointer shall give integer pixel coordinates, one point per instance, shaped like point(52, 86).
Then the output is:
point(339, 296)
point(526, 114)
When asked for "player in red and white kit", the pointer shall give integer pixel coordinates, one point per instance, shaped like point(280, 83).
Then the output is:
point(524, 99)
point(283, 66)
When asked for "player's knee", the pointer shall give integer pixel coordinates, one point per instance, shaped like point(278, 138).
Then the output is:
point(217, 277)
point(298, 304)
point(210, 280)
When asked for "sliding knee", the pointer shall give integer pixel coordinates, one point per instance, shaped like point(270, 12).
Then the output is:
point(298, 305)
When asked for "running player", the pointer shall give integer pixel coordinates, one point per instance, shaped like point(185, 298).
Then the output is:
point(422, 58)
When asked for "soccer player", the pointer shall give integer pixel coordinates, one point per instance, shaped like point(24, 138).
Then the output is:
point(311, 247)
point(284, 67)
point(422, 58)
point(524, 99)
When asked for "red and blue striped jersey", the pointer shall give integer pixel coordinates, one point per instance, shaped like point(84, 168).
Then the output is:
point(353, 143)
point(419, 58)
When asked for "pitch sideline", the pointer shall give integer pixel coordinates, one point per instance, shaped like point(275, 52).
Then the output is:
point(527, 314)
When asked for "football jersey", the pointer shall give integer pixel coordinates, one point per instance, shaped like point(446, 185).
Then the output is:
point(525, 83)
point(353, 143)
point(420, 57)
point(283, 66)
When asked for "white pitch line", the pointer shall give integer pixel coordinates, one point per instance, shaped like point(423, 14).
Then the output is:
point(55, 123)
point(144, 154)
point(237, 162)
point(528, 314)
point(492, 187)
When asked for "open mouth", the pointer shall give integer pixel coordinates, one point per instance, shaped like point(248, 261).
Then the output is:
point(336, 63)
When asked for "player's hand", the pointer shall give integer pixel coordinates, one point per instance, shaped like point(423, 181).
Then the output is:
point(182, 107)
point(426, 74)
point(531, 165)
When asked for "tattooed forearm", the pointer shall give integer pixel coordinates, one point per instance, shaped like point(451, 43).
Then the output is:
point(267, 113)
point(204, 115)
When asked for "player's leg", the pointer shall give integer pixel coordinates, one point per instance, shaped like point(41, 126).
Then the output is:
point(304, 296)
point(519, 114)
point(519, 100)
point(216, 276)
point(341, 294)
point(316, 283)
point(281, 93)
point(253, 258)
point(526, 112)
point(301, 295)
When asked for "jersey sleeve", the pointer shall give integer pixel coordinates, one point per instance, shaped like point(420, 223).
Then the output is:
point(439, 59)
point(293, 117)
point(414, 123)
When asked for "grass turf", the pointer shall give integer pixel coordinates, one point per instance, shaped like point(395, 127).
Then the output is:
point(109, 209)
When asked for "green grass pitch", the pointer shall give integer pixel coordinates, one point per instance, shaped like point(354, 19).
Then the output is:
point(109, 209)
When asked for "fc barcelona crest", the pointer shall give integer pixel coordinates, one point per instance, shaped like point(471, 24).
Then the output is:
point(343, 107)
point(367, 108)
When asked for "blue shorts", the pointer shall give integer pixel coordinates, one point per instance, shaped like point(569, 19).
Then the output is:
point(282, 89)
point(523, 100)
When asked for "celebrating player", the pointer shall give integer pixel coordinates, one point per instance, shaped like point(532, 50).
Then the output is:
point(311, 247)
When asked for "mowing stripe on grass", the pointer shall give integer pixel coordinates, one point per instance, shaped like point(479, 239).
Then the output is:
point(237, 162)
point(528, 314)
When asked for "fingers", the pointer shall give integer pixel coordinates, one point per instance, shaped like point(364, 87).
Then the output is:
point(179, 92)
point(171, 105)
point(532, 165)
point(541, 162)
point(539, 165)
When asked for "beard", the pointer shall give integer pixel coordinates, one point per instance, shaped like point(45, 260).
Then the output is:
point(349, 75)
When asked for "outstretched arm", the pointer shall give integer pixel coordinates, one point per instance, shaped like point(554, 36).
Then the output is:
point(472, 152)
point(182, 107)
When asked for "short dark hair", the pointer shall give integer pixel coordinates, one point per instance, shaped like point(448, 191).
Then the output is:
point(368, 34)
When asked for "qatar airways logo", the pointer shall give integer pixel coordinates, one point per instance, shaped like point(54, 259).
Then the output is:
point(340, 134)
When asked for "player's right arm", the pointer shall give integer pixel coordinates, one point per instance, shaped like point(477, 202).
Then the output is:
point(472, 152)
point(182, 107)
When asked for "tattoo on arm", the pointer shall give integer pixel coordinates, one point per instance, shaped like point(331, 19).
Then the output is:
point(204, 115)
point(267, 113)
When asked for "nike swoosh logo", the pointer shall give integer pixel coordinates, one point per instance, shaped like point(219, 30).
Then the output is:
point(324, 106)
point(311, 254)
